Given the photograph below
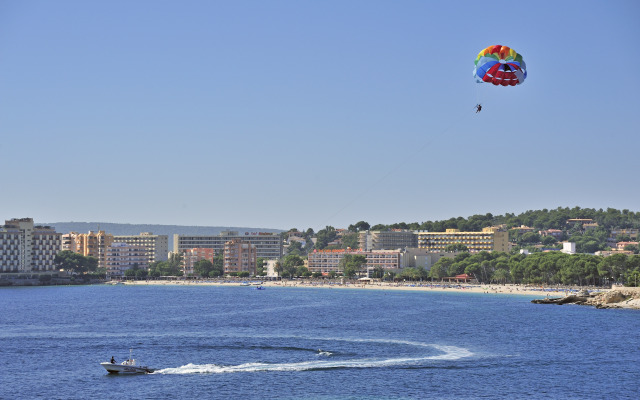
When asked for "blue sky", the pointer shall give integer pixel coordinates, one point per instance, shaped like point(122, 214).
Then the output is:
point(302, 114)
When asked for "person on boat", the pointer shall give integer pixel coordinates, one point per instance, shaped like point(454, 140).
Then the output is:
point(113, 360)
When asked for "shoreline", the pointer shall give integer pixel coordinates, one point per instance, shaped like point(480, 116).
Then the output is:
point(598, 297)
point(526, 290)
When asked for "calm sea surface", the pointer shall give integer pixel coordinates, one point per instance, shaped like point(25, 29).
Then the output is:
point(288, 343)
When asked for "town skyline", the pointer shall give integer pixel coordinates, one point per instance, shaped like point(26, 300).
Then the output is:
point(27, 247)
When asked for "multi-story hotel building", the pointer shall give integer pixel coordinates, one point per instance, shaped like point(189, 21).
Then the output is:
point(325, 261)
point(387, 240)
point(631, 232)
point(490, 239)
point(268, 245)
point(156, 246)
point(192, 256)
point(92, 244)
point(27, 248)
point(123, 256)
point(239, 256)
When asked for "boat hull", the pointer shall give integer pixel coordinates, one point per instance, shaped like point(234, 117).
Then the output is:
point(125, 369)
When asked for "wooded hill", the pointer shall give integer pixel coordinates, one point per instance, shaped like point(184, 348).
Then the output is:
point(587, 240)
point(539, 219)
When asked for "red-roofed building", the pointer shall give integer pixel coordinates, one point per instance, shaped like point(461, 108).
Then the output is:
point(460, 278)
point(622, 245)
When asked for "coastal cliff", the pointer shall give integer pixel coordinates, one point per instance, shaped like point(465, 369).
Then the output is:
point(615, 298)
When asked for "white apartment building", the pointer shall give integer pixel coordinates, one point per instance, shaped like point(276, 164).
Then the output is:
point(387, 240)
point(423, 258)
point(156, 246)
point(268, 244)
point(122, 256)
point(28, 248)
point(325, 261)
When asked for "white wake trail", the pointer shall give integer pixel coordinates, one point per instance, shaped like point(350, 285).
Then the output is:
point(449, 353)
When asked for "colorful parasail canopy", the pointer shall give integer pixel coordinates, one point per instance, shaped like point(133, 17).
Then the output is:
point(500, 65)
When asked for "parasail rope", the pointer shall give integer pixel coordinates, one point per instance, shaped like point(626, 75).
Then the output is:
point(463, 116)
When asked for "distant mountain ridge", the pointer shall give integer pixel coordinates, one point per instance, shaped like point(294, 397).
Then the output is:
point(136, 229)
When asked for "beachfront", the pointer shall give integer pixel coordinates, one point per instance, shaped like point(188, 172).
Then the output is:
point(417, 286)
point(600, 297)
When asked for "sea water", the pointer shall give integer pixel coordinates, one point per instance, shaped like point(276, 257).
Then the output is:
point(302, 343)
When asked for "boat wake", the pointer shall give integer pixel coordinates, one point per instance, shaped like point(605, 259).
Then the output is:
point(447, 353)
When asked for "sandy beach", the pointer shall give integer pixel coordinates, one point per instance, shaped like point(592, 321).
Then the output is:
point(527, 290)
point(617, 297)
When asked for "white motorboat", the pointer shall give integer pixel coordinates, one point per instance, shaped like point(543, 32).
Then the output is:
point(128, 366)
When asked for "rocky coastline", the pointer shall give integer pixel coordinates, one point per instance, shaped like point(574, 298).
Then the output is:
point(615, 298)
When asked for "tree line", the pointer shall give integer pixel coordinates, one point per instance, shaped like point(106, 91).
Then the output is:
point(550, 268)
